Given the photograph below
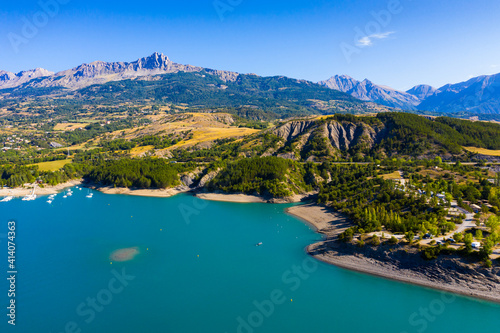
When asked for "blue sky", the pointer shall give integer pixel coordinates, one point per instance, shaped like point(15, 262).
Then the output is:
point(398, 43)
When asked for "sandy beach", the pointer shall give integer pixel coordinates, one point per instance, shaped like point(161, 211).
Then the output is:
point(323, 219)
point(46, 190)
point(399, 263)
point(159, 193)
point(239, 198)
point(245, 198)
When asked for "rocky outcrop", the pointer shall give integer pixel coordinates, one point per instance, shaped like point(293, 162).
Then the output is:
point(341, 136)
point(293, 129)
point(186, 180)
point(207, 179)
point(345, 135)
point(223, 75)
point(288, 156)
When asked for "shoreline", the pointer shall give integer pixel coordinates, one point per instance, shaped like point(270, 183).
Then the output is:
point(247, 198)
point(324, 220)
point(450, 277)
point(374, 267)
point(437, 275)
point(155, 193)
point(237, 198)
point(46, 190)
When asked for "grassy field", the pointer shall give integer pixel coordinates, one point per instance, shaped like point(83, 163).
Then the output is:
point(140, 150)
point(68, 126)
point(53, 165)
point(483, 151)
point(211, 134)
point(394, 175)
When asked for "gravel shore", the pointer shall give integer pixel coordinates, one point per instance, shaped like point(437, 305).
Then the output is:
point(397, 262)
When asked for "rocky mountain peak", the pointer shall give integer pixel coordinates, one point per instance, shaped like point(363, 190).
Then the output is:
point(366, 90)
point(422, 91)
point(9, 79)
point(154, 61)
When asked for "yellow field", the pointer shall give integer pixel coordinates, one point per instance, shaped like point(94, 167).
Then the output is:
point(211, 134)
point(140, 150)
point(68, 126)
point(483, 151)
point(204, 127)
point(53, 165)
point(394, 175)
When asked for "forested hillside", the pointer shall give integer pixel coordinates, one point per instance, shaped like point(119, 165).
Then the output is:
point(268, 176)
point(346, 137)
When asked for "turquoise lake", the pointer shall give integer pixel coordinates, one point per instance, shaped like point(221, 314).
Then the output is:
point(199, 270)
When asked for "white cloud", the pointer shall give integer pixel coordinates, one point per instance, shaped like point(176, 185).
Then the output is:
point(494, 66)
point(368, 40)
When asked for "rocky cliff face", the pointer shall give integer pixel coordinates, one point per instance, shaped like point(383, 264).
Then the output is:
point(293, 129)
point(344, 136)
point(341, 135)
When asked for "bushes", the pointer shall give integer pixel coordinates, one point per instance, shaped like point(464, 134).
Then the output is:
point(431, 253)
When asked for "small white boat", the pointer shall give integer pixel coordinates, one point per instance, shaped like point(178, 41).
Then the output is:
point(258, 244)
point(7, 199)
point(49, 201)
point(29, 197)
point(65, 196)
point(89, 195)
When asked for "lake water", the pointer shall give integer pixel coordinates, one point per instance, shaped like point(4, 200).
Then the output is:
point(199, 270)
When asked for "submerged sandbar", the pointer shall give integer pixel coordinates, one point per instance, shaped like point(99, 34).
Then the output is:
point(124, 254)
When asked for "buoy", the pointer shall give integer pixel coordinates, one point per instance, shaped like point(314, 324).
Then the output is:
point(198, 256)
point(147, 249)
point(161, 229)
point(111, 263)
point(291, 300)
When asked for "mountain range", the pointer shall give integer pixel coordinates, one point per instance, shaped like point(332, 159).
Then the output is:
point(480, 95)
point(99, 72)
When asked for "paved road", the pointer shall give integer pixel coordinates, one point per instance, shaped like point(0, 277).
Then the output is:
point(467, 224)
